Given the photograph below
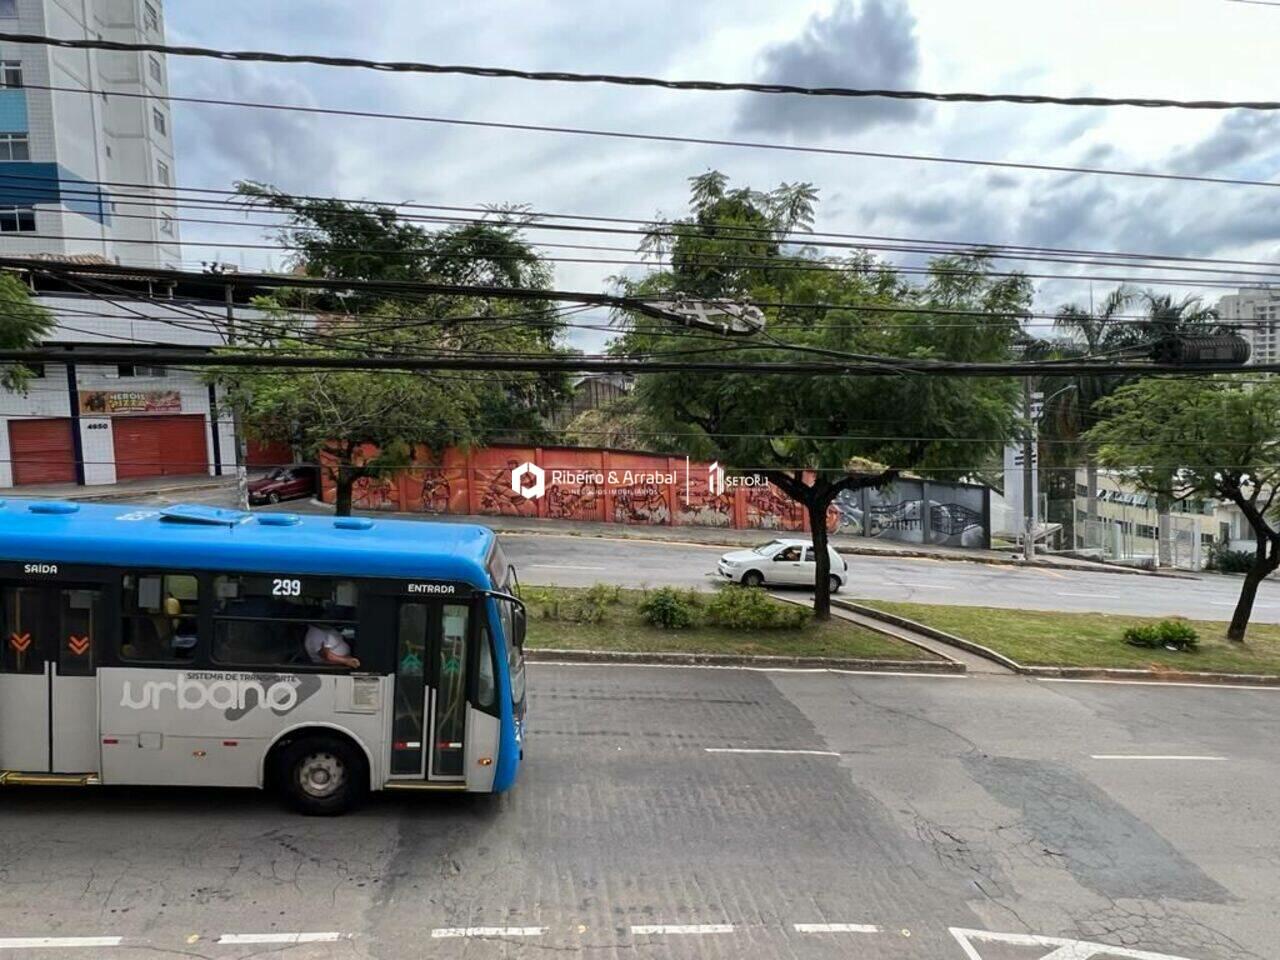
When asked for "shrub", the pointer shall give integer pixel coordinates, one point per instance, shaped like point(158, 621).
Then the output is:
point(1167, 634)
point(750, 608)
point(590, 606)
point(1225, 560)
point(669, 608)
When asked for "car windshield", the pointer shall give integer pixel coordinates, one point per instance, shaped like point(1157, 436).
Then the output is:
point(766, 548)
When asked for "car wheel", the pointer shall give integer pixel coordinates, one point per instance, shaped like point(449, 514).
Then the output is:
point(322, 776)
point(752, 578)
point(833, 583)
point(273, 497)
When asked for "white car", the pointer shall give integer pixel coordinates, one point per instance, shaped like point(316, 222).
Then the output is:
point(781, 562)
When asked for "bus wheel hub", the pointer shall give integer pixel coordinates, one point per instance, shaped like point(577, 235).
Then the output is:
point(321, 774)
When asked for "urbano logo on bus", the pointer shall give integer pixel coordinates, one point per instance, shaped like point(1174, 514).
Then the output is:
point(237, 695)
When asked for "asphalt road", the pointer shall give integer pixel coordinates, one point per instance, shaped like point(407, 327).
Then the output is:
point(582, 561)
point(885, 816)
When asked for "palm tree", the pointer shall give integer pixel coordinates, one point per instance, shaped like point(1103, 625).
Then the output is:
point(1071, 402)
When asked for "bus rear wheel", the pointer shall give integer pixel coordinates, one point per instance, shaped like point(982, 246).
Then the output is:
point(322, 776)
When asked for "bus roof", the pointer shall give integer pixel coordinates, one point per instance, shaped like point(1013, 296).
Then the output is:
point(197, 537)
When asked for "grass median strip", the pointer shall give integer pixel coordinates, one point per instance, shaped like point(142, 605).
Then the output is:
point(609, 618)
point(1053, 639)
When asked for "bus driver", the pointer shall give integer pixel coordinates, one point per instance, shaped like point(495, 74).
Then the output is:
point(327, 645)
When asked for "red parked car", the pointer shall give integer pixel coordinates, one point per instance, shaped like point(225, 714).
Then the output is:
point(283, 483)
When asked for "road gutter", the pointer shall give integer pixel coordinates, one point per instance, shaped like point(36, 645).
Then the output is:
point(743, 660)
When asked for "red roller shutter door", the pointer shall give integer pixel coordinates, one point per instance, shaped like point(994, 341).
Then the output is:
point(159, 446)
point(41, 451)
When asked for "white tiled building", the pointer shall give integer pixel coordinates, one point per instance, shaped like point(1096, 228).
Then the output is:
point(1260, 308)
point(71, 159)
point(86, 174)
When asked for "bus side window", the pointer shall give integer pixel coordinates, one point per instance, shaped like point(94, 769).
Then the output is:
point(262, 620)
point(159, 617)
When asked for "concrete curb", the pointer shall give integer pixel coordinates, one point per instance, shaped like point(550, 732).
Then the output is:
point(742, 660)
point(1063, 673)
point(106, 497)
point(932, 632)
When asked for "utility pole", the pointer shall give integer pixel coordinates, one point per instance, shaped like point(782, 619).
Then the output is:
point(1028, 487)
point(242, 473)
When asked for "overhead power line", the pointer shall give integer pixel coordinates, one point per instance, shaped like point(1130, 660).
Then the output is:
point(663, 138)
point(561, 76)
point(871, 367)
point(529, 219)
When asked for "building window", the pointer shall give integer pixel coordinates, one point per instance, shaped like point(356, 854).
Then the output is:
point(138, 370)
point(160, 616)
point(283, 621)
point(153, 65)
point(17, 219)
point(8, 8)
point(166, 224)
point(162, 173)
point(150, 18)
point(36, 370)
point(14, 146)
point(10, 74)
point(159, 122)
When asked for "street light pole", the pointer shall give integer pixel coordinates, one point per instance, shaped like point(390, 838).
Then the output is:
point(1028, 488)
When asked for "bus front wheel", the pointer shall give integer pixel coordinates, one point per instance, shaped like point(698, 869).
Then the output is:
point(322, 776)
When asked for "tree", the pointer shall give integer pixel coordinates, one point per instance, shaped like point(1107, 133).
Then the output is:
point(1203, 437)
point(23, 324)
point(1072, 402)
point(814, 437)
point(334, 415)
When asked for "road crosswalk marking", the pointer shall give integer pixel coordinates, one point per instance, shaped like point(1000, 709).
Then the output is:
point(1060, 948)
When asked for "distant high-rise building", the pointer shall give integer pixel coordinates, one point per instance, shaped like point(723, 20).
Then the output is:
point(86, 165)
point(1259, 308)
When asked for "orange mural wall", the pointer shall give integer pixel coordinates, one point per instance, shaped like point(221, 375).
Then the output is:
point(478, 483)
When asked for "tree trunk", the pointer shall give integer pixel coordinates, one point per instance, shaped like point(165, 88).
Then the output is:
point(1244, 606)
point(344, 483)
point(817, 505)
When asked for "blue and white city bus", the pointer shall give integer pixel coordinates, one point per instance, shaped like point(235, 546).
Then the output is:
point(187, 646)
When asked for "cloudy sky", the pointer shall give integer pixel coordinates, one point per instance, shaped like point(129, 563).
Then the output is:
point(1169, 48)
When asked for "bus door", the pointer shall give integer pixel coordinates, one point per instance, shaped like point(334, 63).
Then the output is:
point(48, 686)
point(430, 718)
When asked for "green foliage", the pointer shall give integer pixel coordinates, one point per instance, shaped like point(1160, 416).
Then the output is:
point(335, 413)
point(751, 608)
point(731, 244)
point(590, 606)
point(22, 326)
point(1171, 634)
point(670, 609)
point(1225, 560)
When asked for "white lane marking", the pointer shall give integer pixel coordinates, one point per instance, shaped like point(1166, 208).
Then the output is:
point(29, 943)
point(651, 929)
point(802, 753)
point(835, 928)
point(1165, 683)
point(440, 933)
point(718, 666)
point(1067, 949)
point(242, 938)
point(1090, 596)
point(1121, 756)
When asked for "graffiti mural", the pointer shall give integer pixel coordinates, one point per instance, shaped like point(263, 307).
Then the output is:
point(663, 492)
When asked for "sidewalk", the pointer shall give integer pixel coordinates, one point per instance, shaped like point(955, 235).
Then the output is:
point(221, 491)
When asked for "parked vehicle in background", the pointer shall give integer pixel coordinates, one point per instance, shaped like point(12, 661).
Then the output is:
point(783, 563)
point(283, 483)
